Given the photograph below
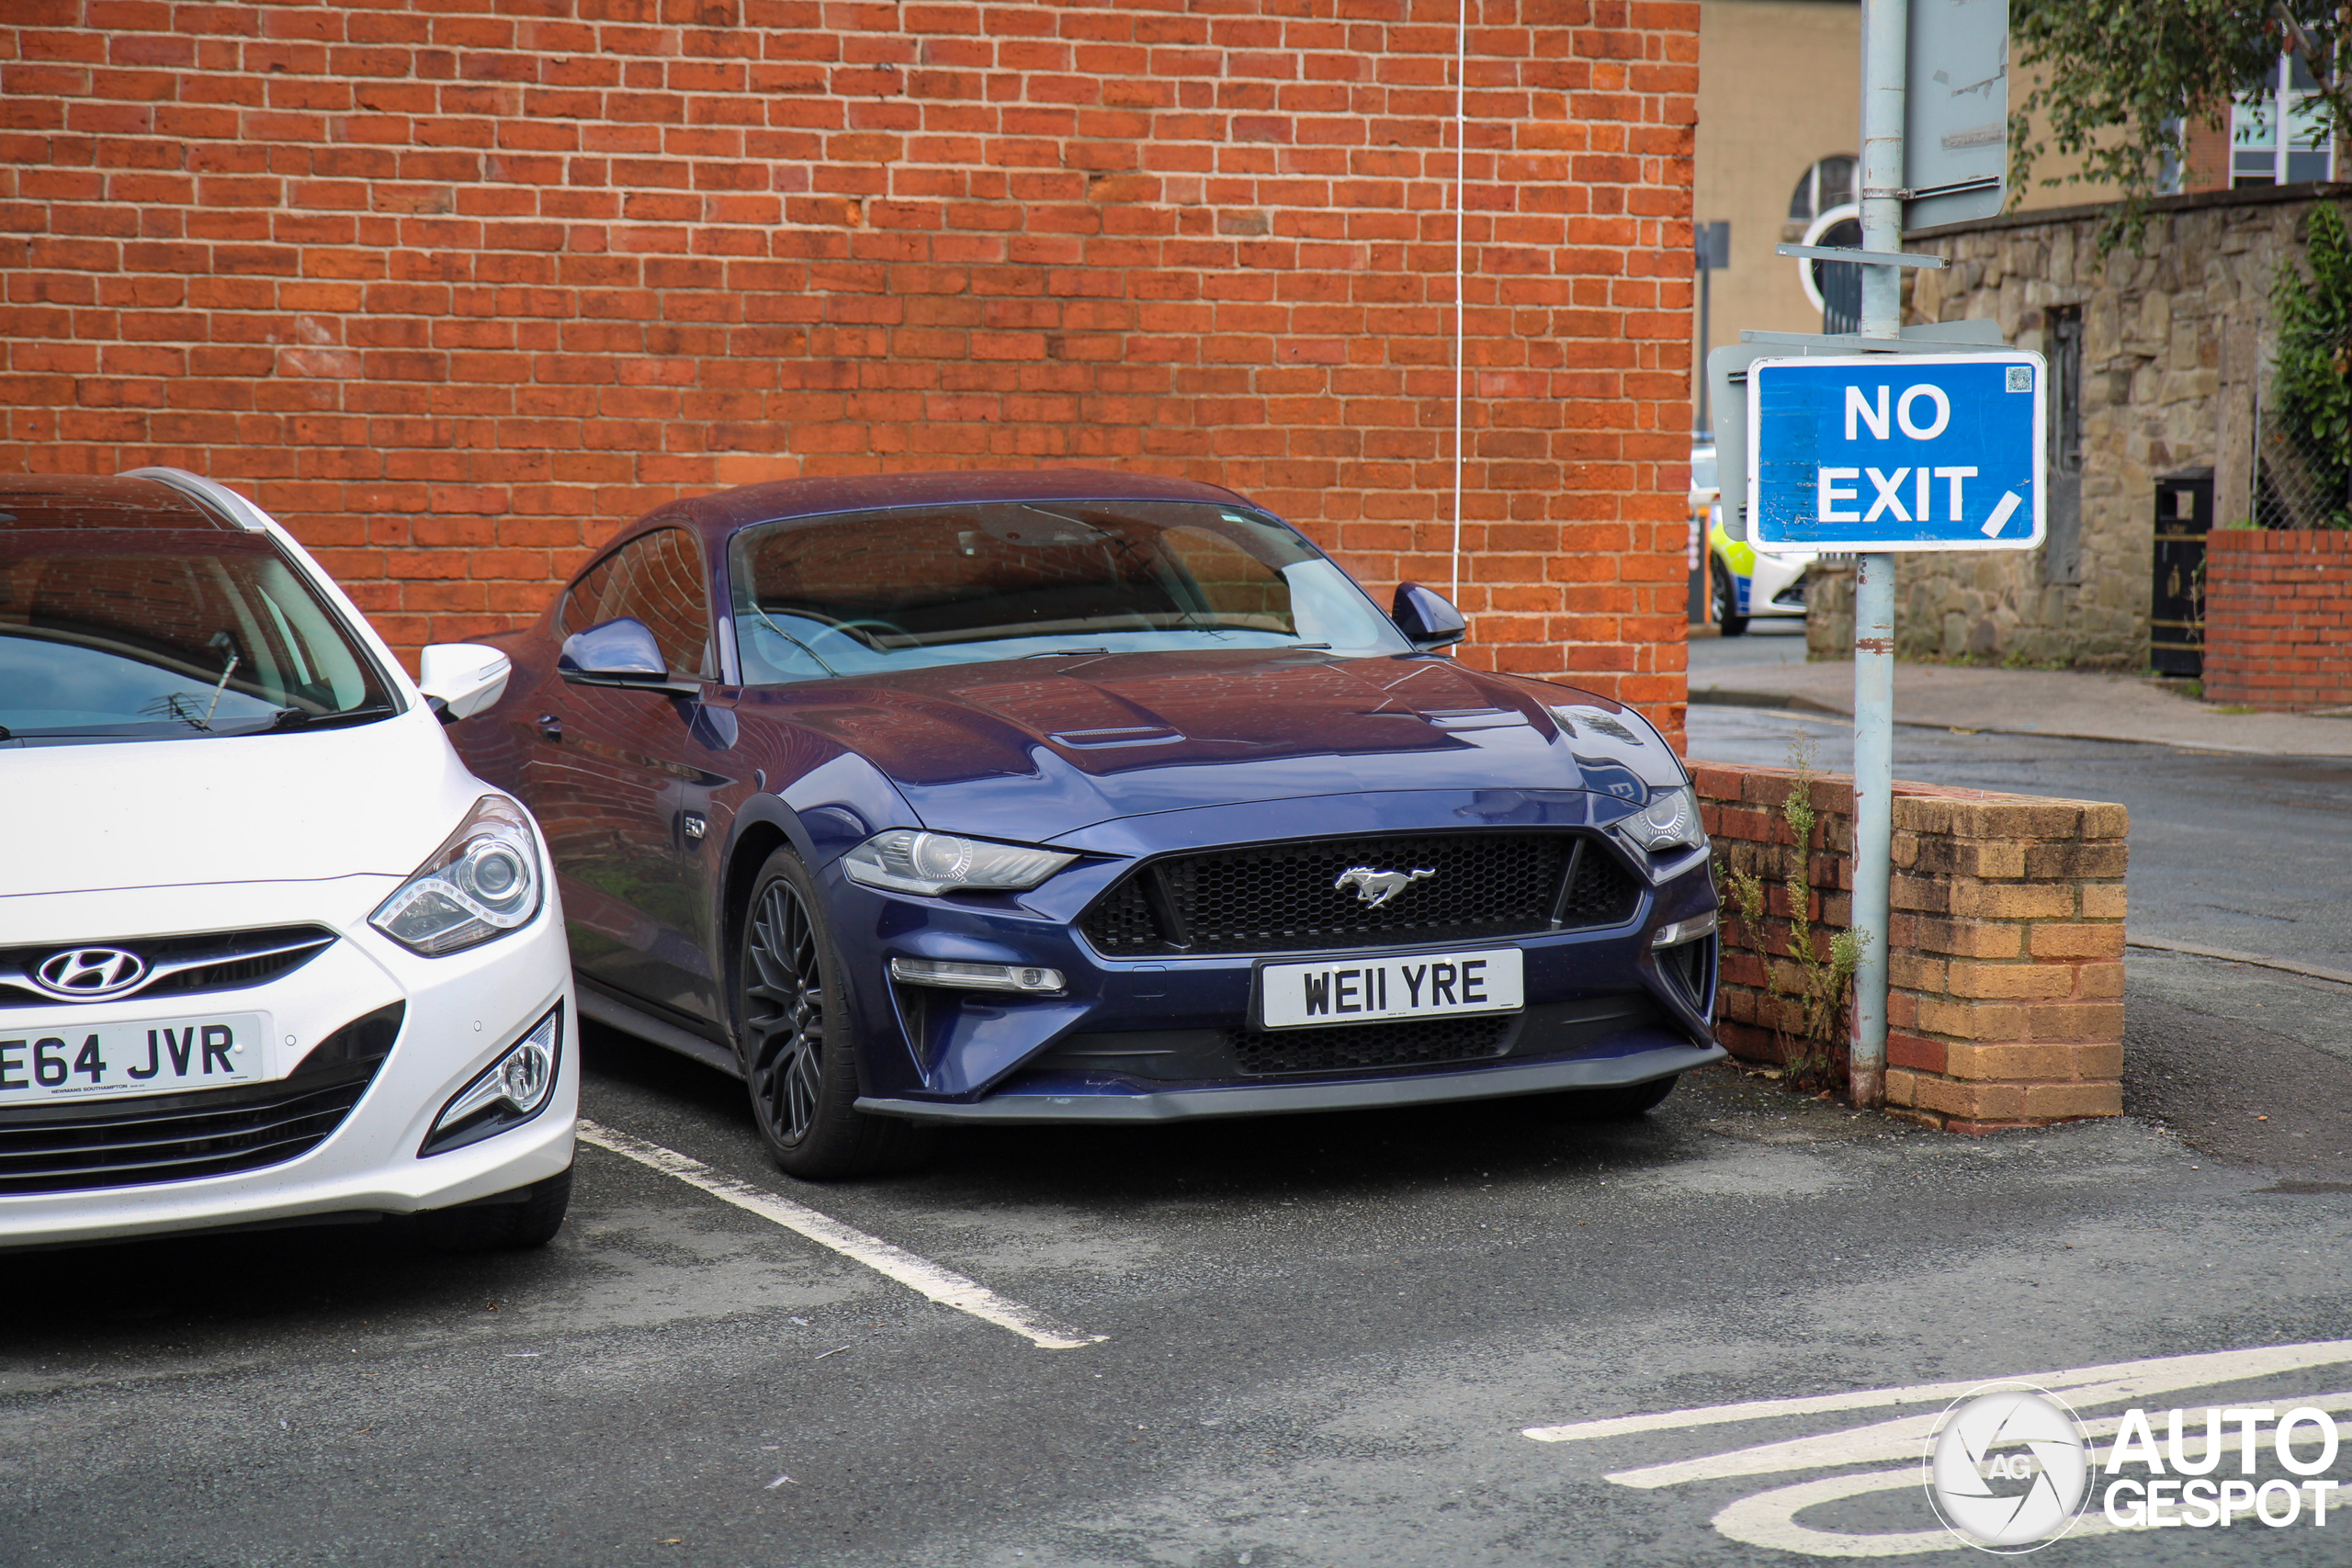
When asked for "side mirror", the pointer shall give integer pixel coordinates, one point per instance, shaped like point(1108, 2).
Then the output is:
point(1427, 618)
point(619, 653)
point(616, 648)
point(460, 679)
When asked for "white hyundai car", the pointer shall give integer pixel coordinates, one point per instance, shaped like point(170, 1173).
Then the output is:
point(269, 954)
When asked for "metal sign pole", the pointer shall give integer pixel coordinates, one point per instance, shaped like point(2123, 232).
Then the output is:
point(1885, 39)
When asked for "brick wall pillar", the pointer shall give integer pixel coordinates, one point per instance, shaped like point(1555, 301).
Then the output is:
point(2006, 1007)
point(2278, 618)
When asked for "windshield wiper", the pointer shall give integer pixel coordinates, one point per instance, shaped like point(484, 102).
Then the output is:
point(295, 718)
point(794, 640)
point(1063, 652)
point(220, 639)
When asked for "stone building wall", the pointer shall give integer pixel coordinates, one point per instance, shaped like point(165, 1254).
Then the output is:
point(2175, 339)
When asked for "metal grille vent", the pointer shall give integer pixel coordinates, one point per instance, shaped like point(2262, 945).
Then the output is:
point(1371, 1045)
point(1601, 893)
point(1273, 898)
point(178, 1137)
point(1692, 966)
point(211, 961)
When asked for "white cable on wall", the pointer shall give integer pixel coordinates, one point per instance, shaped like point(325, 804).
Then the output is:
point(1460, 366)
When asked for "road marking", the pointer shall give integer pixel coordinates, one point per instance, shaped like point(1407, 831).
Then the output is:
point(2165, 1372)
point(943, 1285)
point(1768, 1519)
point(2196, 950)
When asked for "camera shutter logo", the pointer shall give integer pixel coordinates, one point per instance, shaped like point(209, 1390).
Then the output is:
point(2008, 1468)
point(89, 972)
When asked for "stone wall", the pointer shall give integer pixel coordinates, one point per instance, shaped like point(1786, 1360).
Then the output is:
point(2278, 618)
point(2175, 336)
point(2006, 1002)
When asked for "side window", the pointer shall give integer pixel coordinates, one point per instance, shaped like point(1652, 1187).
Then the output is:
point(656, 578)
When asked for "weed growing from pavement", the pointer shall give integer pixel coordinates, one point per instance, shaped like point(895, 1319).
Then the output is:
point(1817, 985)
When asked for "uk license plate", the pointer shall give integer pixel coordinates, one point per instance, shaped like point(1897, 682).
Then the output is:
point(1369, 990)
point(148, 1056)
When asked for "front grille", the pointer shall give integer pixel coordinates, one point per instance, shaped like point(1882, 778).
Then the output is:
point(1286, 898)
point(1371, 1045)
point(209, 961)
point(85, 1144)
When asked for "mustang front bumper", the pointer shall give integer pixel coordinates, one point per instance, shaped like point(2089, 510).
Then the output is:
point(1172, 1035)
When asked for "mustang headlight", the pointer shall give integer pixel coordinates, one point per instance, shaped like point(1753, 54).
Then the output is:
point(1670, 822)
point(482, 882)
point(906, 860)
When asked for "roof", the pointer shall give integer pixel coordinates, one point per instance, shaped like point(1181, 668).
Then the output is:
point(90, 501)
point(815, 497)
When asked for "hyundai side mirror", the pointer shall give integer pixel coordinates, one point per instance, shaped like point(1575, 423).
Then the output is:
point(619, 653)
point(1427, 618)
point(460, 679)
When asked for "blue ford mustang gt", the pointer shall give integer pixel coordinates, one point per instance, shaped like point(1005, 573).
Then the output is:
point(1072, 796)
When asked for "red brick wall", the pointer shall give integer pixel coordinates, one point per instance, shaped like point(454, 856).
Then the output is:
point(456, 289)
point(2278, 618)
point(2005, 1004)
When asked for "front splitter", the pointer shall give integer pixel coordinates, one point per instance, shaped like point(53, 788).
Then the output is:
point(1286, 1099)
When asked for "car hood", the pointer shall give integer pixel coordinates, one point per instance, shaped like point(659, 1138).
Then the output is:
point(374, 797)
point(1033, 749)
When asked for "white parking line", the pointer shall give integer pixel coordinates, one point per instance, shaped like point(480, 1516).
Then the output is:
point(2157, 1373)
point(943, 1285)
point(1770, 1519)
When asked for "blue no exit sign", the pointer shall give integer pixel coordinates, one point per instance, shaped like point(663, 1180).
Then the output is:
point(1896, 452)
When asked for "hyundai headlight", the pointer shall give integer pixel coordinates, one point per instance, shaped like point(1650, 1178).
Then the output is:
point(481, 883)
point(905, 859)
point(1671, 822)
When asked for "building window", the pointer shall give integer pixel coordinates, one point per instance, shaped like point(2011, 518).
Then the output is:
point(2278, 132)
point(1828, 184)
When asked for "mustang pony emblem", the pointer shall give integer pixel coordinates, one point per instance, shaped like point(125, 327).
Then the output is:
point(1377, 887)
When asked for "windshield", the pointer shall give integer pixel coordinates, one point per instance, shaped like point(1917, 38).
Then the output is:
point(916, 586)
point(157, 633)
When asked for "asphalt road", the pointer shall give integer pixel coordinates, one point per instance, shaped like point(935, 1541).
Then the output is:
point(1323, 1339)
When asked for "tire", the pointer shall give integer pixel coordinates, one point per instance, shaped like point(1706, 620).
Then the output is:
point(502, 1228)
point(1625, 1104)
point(799, 1062)
point(1722, 599)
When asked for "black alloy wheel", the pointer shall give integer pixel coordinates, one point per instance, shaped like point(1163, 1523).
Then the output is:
point(793, 1039)
point(1723, 600)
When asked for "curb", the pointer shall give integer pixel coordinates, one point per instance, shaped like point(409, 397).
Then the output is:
point(1716, 696)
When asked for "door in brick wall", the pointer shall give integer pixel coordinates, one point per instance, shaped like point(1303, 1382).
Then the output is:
point(623, 783)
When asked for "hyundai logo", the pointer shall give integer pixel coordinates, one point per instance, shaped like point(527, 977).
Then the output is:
point(81, 972)
point(1376, 887)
